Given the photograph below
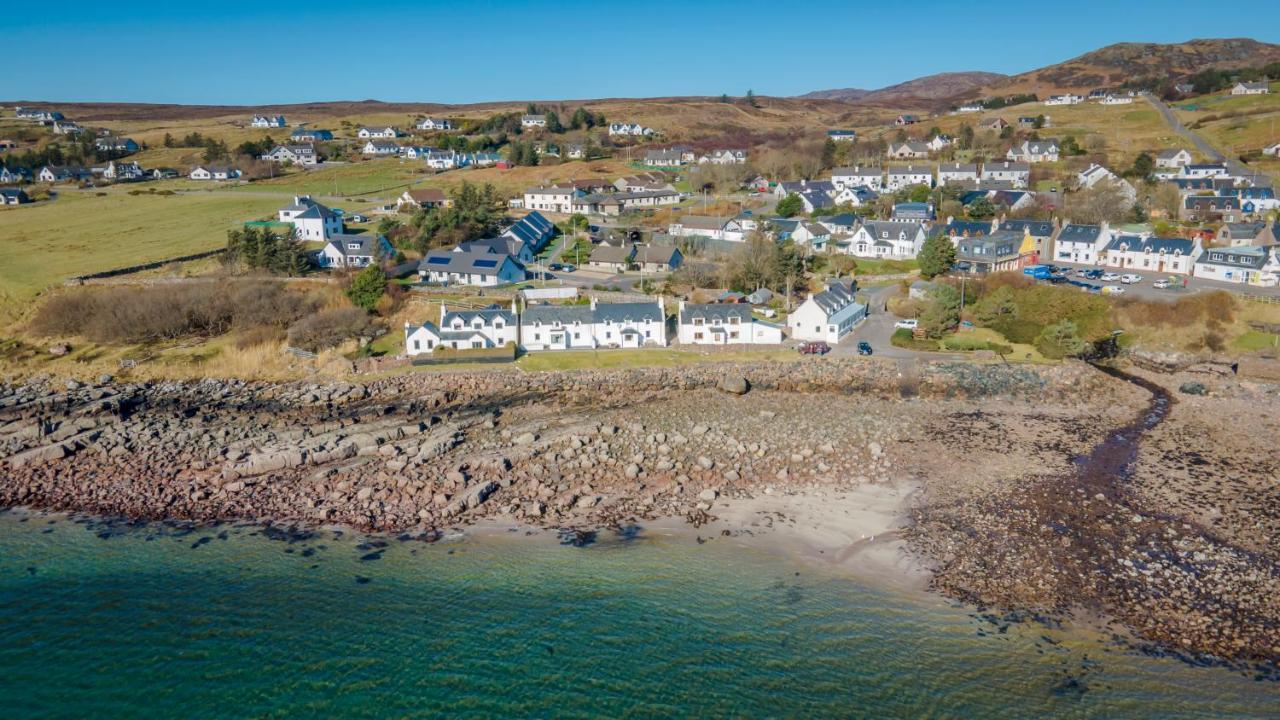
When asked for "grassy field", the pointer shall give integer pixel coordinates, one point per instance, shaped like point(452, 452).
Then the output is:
point(86, 232)
point(655, 357)
point(1237, 124)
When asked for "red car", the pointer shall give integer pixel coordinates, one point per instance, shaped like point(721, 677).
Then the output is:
point(815, 348)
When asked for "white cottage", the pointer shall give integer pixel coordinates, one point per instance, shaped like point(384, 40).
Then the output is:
point(724, 324)
point(829, 315)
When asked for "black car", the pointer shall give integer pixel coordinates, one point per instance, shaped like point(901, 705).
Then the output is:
point(864, 348)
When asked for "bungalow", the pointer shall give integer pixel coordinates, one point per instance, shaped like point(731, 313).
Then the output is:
point(25, 113)
point(311, 221)
point(1017, 174)
point(813, 199)
point(1033, 151)
point(66, 127)
point(423, 198)
point(293, 155)
point(855, 196)
point(1067, 99)
point(366, 133)
point(575, 151)
point(517, 249)
point(479, 267)
point(1173, 159)
point(381, 148)
point(842, 135)
point(1095, 174)
point(958, 174)
point(995, 124)
point(13, 196)
point(658, 258)
point(903, 120)
point(415, 152)
point(1253, 233)
point(670, 157)
point(618, 203)
point(1081, 243)
point(1206, 208)
point(723, 324)
point(709, 227)
point(213, 172)
point(311, 135)
point(724, 157)
point(1246, 265)
point(971, 107)
point(1000, 251)
point(533, 229)
point(811, 234)
point(164, 173)
point(907, 150)
point(445, 159)
point(354, 251)
point(533, 121)
point(113, 144)
point(579, 327)
point(1143, 252)
point(612, 257)
point(490, 327)
point(1272, 150)
point(829, 315)
point(1117, 100)
point(69, 173)
point(913, 211)
point(908, 175)
point(870, 177)
point(888, 239)
point(429, 123)
point(783, 189)
point(938, 142)
point(1203, 170)
point(1184, 88)
point(264, 121)
point(484, 159)
point(1250, 88)
point(552, 199)
point(642, 182)
point(1030, 122)
point(123, 172)
point(633, 129)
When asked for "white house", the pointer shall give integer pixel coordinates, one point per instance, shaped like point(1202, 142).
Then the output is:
point(446, 159)
point(1095, 174)
point(1173, 159)
point(479, 267)
point(971, 108)
point(599, 325)
point(552, 199)
point(635, 129)
point(1154, 254)
point(1272, 150)
point(1250, 88)
point(1203, 170)
point(1117, 100)
point(855, 196)
point(829, 315)
point(213, 172)
point(366, 133)
point(1081, 243)
point(533, 121)
point(724, 157)
point(1247, 265)
point(491, 327)
point(958, 173)
point(429, 123)
point(1017, 174)
point(1034, 151)
point(723, 324)
point(871, 177)
point(710, 227)
point(889, 239)
point(304, 155)
point(311, 221)
point(842, 135)
point(1068, 99)
point(908, 175)
point(354, 251)
point(123, 171)
point(381, 148)
point(265, 121)
point(938, 142)
point(911, 150)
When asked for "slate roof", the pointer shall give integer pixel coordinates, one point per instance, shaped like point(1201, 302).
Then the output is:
point(1080, 233)
point(612, 254)
point(858, 171)
point(366, 244)
point(499, 245)
point(1253, 258)
point(487, 316)
point(838, 296)
point(702, 222)
point(478, 262)
point(1137, 243)
point(970, 168)
point(1037, 228)
point(650, 254)
point(711, 312)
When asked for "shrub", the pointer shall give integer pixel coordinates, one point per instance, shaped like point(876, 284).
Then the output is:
point(331, 328)
point(1060, 340)
point(903, 338)
point(1014, 330)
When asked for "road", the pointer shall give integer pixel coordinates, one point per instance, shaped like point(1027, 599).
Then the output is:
point(1194, 285)
point(878, 328)
point(1235, 167)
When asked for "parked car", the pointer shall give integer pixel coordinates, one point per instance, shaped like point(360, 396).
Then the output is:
point(1130, 278)
point(1160, 284)
point(815, 348)
point(570, 267)
point(1112, 289)
point(864, 348)
point(557, 267)
point(1056, 279)
point(908, 324)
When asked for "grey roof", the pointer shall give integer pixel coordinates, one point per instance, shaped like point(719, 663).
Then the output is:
point(479, 262)
point(612, 254)
point(1169, 154)
point(585, 314)
point(487, 316)
point(1080, 233)
point(1245, 229)
point(859, 171)
point(839, 294)
point(551, 314)
point(499, 245)
point(715, 311)
point(366, 244)
point(1001, 243)
point(1250, 257)
point(628, 312)
point(894, 228)
point(1137, 243)
point(1006, 166)
point(1038, 228)
point(663, 254)
point(308, 208)
point(910, 170)
point(1215, 202)
point(971, 168)
point(702, 222)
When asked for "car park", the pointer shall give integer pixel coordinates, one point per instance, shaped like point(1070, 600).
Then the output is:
point(569, 267)
point(1130, 278)
point(908, 324)
point(556, 267)
point(1112, 289)
point(814, 348)
point(864, 348)
point(1110, 277)
point(1160, 284)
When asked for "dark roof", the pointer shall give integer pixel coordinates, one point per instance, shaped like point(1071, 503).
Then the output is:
point(1038, 228)
point(1080, 233)
point(366, 244)
point(840, 293)
point(971, 228)
point(480, 262)
point(612, 254)
point(498, 245)
point(663, 254)
point(1242, 257)
point(715, 311)
point(1137, 243)
point(487, 316)
point(564, 314)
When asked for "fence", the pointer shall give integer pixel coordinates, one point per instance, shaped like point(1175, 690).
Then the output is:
point(144, 266)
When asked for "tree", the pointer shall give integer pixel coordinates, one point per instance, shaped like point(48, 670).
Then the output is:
point(829, 154)
point(943, 311)
point(1060, 340)
point(724, 98)
point(981, 209)
point(995, 306)
point(966, 136)
point(581, 119)
point(1143, 166)
point(751, 99)
point(919, 193)
point(1138, 214)
point(368, 287)
point(1105, 201)
point(553, 122)
point(936, 256)
point(789, 206)
point(1038, 123)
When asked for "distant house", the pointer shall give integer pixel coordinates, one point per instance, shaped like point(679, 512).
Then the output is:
point(66, 127)
point(303, 134)
point(938, 142)
point(490, 327)
point(855, 196)
point(1117, 100)
point(1154, 254)
point(13, 196)
point(716, 228)
point(812, 199)
point(575, 151)
point(907, 150)
point(829, 315)
point(533, 121)
point(1203, 170)
point(478, 267)
point(1272, 150)
point(266, 121)
point(1257, 200)
point(870, 177)
point(1067, 99)
point(1247, 265)
point(812, 234)
point(378, 133)
point(116, 144)
point(958, 174)
point(632, 129)
point(919, 211)
point(9, 176)
point(902, 120)
point(381, 148)
point(724, 157)
point(1096, 174)
point(723, 324)
point(354, 251)
point(213, 172)
point(670, 157)
point(446, 159)
point(429, 123)
point(842, 135)
point(164, 173)
point(304, 155)
point(311, 221)
point(1031, 121)
point(1034, 151)
point(123, 172)
point(996, 123)
point(907, 175)
point(1250, 88)
point(38, 115)
point(658, 258)
point(971, 108)
point(887, 239)
point(612, 258)
point(614, 204)
point(1000, 251)
point(1250, 233)
point(69, 173)
point(1173, 158)
point(423, 198)
point(1184, 88)
point(1017, 174)
point(552, 199)
point(1081, 243)
point(598, 325)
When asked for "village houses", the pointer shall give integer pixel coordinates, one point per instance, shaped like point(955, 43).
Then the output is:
point(830, 315)
point(598, 325)
point(304, 155)
point(1153, 254)
point(723, 324)
point(354, 251)
point(311, 221)
point(430, 123)
point(460, 329)
point(268, 121)
point(1247, 265)
point(378, 133)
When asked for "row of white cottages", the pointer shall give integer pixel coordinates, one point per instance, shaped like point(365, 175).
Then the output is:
point(828, 316)
point(1257, 265)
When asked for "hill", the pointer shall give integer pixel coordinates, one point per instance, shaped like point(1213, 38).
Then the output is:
point(1113, 65)
point(929, 90)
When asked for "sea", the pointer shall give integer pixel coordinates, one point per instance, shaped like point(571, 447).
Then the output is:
point(103, 619)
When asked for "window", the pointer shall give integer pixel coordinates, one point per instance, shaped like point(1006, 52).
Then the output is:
point(476, 344)
point(431, 344)
point(417, 345)
point(697, 336)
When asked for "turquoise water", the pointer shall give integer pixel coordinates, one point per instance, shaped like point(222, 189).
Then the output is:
point(224, 622)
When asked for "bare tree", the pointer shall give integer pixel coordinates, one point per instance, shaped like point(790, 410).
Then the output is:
point(1104, 201)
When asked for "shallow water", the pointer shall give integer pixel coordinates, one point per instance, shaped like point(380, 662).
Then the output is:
point(224, 622)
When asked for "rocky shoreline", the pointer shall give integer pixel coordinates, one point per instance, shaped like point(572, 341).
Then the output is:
point(1002, 517)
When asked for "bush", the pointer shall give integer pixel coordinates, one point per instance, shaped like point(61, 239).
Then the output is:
point(903, 338)
point(1014, 330)
point(331, 328)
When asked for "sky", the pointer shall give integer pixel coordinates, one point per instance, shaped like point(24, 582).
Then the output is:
point(463, 51)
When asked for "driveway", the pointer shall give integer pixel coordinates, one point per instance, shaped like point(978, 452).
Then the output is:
point(1235, 167)
point(877, 330)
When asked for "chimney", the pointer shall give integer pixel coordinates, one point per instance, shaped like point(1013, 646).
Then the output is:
point(593, 302)
point(442, 313)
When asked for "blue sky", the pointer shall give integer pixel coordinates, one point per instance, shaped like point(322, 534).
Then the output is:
point(480, 50)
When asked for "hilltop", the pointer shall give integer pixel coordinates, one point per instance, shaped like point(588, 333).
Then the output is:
point(927, 90)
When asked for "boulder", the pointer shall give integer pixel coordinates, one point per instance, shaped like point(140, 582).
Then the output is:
point(1193, 388)
point(733, 384)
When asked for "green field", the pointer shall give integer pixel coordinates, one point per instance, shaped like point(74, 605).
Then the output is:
point(85, 232)
point(387, 177)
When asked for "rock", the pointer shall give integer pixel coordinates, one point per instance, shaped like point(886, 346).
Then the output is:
point(708, 495)
point(632, 471)
point(59, 350)
point(525, 438)
point(365, 493)
point(1193, 388)
point(875, 449)
point(733, 384)
point(705, 462)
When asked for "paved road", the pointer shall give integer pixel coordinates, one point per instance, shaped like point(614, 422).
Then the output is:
point(1194, 284)
point(878, 328)
point(1235, 167)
